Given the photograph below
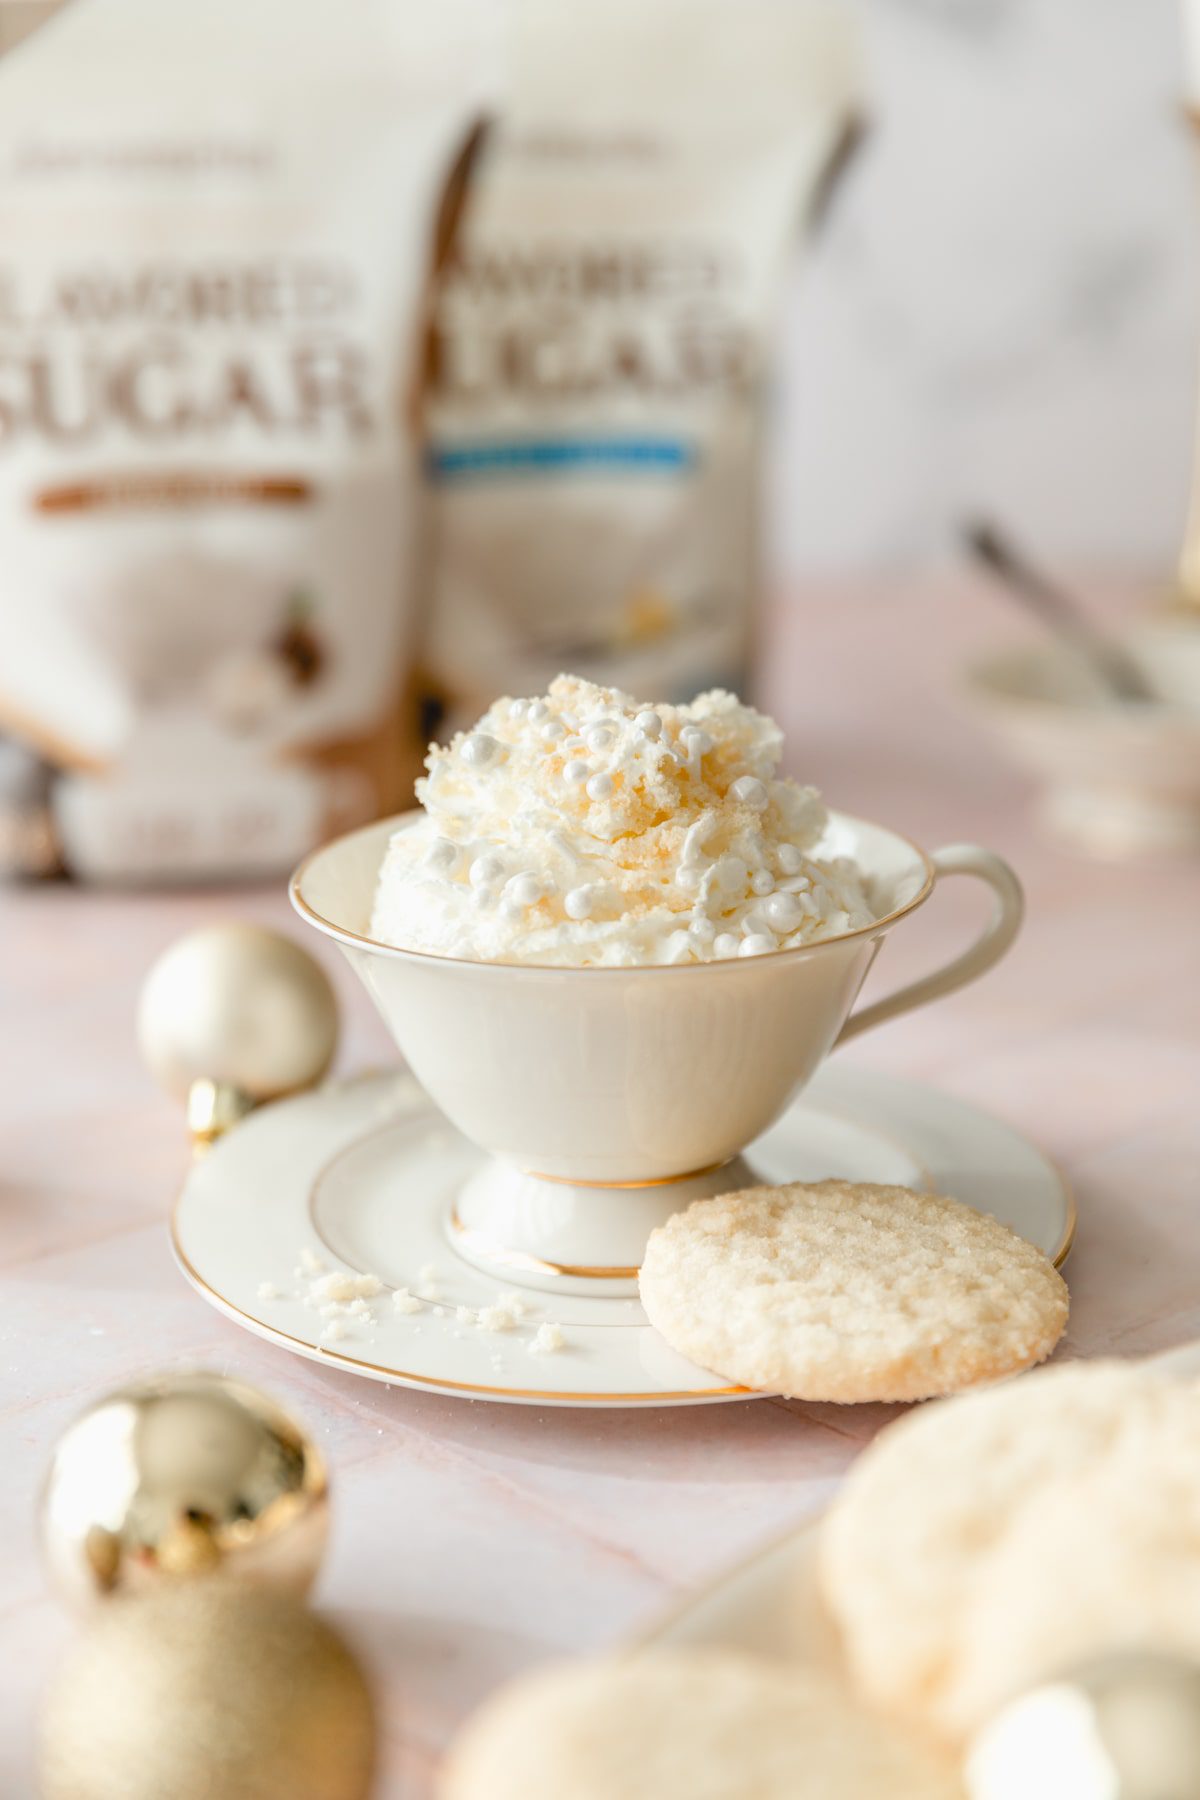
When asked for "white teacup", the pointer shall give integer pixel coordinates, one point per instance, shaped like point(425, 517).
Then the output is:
point(610, 1096)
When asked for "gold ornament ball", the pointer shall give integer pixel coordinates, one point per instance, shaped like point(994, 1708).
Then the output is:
point(1125, 1727)
point(240, 1007)
point(184, 1476)
point(207, 1692)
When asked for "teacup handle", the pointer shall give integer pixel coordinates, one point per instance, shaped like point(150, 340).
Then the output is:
point(1007, 911)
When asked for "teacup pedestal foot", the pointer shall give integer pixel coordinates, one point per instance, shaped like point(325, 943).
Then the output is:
point(572, 1237)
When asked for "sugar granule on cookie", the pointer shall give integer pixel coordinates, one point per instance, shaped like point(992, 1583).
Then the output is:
point(845, 1291)
point(672, 1725)
point(983, 1545)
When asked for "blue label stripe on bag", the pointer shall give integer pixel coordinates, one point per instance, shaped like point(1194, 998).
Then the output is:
point(541, 456)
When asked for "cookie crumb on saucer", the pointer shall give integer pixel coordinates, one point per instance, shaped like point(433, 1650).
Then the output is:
point(342, 1286)
point(495, 1318)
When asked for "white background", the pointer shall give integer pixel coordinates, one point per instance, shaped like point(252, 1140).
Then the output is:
point(1002, 310)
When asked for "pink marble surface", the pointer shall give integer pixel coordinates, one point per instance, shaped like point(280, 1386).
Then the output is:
point(470, 1540)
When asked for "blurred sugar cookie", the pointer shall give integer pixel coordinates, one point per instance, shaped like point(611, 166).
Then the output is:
point(671, 1725)
point(983, 1545)
point(845, 1291)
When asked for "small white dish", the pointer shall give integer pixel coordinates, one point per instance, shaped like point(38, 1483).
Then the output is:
point(1116, 779)
point(768, 1605)
point(365, 1177)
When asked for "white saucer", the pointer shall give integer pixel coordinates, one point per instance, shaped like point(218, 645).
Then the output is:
point(364, 1176)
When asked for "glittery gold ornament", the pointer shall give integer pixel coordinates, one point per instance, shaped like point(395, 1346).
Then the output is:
point(207, 1692)
point(232, 1015)
point(1126, 1727)
point(184, 1476)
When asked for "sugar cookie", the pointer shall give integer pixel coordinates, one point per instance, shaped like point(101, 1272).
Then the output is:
point(847, 1291)
point(678, 1725)
point(984, 1544)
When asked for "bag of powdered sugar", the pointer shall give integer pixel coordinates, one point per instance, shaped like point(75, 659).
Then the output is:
point(216, 225)
point(603, 341)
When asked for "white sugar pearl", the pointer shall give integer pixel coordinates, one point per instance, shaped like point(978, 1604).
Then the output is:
point(689, 879)
point(791, 859)
point(538, 710)
point(600, 787)
point(726, 944)
point(748, 790)
point(649, 724)
point(516, 709)
point(696, 745)
point(479, 749)
point(442, 855)
point(524, 890)
point(763, 882)
point(579, 902)
point(598, 737)
point(486, 870)
point(552, 732)
point(757, 944)
point(703, 930)
point(576, 772)
point(783, 912)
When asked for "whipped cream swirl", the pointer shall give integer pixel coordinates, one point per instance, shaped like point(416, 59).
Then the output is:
point(588, 828)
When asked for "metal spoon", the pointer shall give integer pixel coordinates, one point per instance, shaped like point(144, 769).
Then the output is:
point(1064, 615)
